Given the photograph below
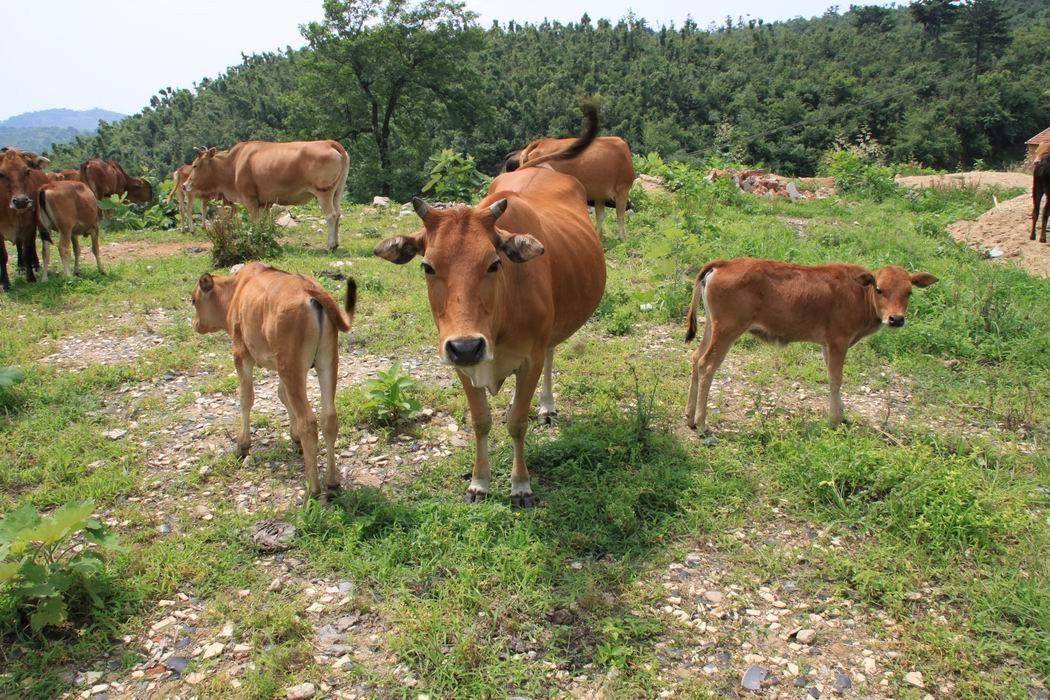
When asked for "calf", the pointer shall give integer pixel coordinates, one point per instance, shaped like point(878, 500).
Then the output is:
point(68, 174)
point(831, 305)
point(1040, 187)
point(70, 208)
point(186, 197)
point(288, 323)
point(20, 178)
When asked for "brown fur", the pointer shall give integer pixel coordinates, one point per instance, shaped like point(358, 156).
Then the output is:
point(21, 177)
point(258, 174)
point(520, 273)
point(69, 208)
point(1041, 187)
point(107, 178)
point(186, 198)
point(287, 323)
point(831, 305)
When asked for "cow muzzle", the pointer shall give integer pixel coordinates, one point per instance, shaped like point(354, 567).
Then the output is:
point(21, 202)
point(896, 321)
point(465, 352)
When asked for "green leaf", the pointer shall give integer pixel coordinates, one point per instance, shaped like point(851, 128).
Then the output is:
point(8, 571)
point(51, 611)
point(67, 519)
point(25, 518)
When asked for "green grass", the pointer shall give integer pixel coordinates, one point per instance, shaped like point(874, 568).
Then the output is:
point(952, 499)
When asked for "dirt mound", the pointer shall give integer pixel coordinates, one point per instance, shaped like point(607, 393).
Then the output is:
point(1006, 228)
point(976, 178)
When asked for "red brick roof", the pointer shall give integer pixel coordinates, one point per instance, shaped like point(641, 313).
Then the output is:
point(1042, 137)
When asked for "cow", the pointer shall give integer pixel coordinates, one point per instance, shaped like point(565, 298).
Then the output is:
point(832, 305)
point(288, 323)
point(70, 208)
point(107, 177)
point(258, 174)
point(605, 169)
point(186, 198)
point(508, 281)
point(1041, 187)
point(21, 175)
point(65, 175)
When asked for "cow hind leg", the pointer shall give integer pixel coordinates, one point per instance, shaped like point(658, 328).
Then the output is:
point(694, 379)
point(247, 394)
point(709, 361)
point(75, 239)
point(293, 429)
point(5, 281)
point(517, 423)
point(547, 411)
point(1046, 215)
point(327, 364)
point(1037, 195)
point(599, 214)
point(294, 379)
point(834, 357)
point(95, 250)
point(481, 419)
point(330, 207)
point(47, 261)
point(64, 243)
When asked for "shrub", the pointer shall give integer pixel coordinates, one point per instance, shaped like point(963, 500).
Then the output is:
point(123, 216)
point(9, 376)
point(454, 177)
point(235, 239)
point(855, 176)
point(46, 573)
point(388, 396)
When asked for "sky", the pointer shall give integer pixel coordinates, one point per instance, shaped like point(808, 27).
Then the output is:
point(115, 54)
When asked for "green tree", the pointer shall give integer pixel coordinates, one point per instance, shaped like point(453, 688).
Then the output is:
point(984, 28)
point(935, 16)
point(369, 60)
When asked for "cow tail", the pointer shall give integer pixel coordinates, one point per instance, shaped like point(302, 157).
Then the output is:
point(43, 219)
point(173, 189)
point(698, 291)
point(342, 319)
point(85, 180)
point(590, 132)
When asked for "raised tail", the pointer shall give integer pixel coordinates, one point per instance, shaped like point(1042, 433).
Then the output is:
point(698, 291)
point(590, 132)
point(340, 317)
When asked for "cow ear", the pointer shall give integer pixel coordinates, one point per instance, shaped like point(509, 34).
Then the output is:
point(866, 279)
point(210, 153)
point(400, 249)
point(923, 279)
point(519, 247)
point(206, 283)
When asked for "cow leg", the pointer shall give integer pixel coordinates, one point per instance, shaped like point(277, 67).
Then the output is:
point(244, 366)
point(64, 252)
point(1037, 195)
point(710, 359)
point(1046, 215)
point(96, 251)
point(547, 410)
point(599, 215)
point(75, 239)
point(327, 364)
point(834, 356)
point(204, 214)
point(293, 429)
point(5, 281)
point(517, 423)
point(47, 261)
point(694, 378)
point(481, 419)
point(294, 379)
point(330, 206)
point(621, 215)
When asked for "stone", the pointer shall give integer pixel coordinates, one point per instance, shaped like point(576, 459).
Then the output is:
point(114, 434)
point(195, 678)
point(713, 597)
point(300, 692)
point(914, 678)
point(285, 220)
point(870, 666)
point(100, 688)
point(806, 636)
point(753, 677)
point(213, 650)
point(379, 201)
point(177, 664)
point(842, 681)
point(273, 535)
point(89, 678)
point(814, 693)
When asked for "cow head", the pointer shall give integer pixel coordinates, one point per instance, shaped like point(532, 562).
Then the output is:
point(463, 258)
point(512, 162)
point(139, 190)
point(204, 172)
point(890, 290)
point(211, 298)
point(20, 175)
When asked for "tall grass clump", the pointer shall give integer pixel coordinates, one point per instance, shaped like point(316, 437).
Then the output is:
point(236, 239)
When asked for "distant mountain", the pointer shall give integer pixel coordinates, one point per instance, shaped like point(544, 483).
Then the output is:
point(38, 131)
point(81, 120)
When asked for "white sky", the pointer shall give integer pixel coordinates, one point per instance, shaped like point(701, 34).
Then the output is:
point(116, 54)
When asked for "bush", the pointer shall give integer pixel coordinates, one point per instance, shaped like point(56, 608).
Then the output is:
point(388, 396)
point(47, 574)
point(123, 216)
point(454, 177)
point(855, 176)
point(235, 239)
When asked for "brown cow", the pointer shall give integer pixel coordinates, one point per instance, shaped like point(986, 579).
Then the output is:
point(605, 169)
point(288, 323)
point(20, 178)
point(70, 208)
point(508, 281)
point(259, 174)
point(107, 177)
point(65, 175)
point(831, 305)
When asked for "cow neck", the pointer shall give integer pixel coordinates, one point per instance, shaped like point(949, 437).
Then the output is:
point(871, 313)
point(223, 293)
point(225, 167)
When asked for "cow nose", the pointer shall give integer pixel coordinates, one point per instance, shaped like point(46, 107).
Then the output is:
point(465, 351)
point(20, 202)
point(896, 320)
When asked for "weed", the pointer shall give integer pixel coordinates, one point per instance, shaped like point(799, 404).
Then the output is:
point(389, 396)
point(236, 239)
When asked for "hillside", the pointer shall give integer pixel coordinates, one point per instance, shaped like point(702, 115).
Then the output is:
point(81, 120)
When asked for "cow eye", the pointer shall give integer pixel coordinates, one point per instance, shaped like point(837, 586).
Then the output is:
point(494, 266)
point(878, 290)
point(427, 268)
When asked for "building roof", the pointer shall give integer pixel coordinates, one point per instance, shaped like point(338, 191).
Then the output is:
point(1042, 137)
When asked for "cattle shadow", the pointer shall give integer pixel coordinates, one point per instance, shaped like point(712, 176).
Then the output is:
point(54, 293)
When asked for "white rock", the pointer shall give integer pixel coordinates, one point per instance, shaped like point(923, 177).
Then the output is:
point(806, 636)
point(213, 650)
point(227, 629)
point(195, 678)
point(714, 597)
point(379, 201)
point(100, 688)
point(300, 692)
point(914, 678)
point(869, 665)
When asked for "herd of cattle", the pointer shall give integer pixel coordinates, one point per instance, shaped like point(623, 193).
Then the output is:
point(507, 280)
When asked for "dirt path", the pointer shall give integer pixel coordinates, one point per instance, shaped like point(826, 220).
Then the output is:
point(976, 178)
point(121, 251)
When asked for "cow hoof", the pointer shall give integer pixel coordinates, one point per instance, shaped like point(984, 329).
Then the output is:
point(297, 446)
point(243, 450)
point(474, 496)
point(334, 491)
point(547, 417)
point(523, 500)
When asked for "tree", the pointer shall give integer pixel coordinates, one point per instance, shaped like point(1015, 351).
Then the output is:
point(935, 16)
point(983, 26)
point(368, 60)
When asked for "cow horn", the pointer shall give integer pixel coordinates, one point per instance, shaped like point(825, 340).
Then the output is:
point(421, 207)
point(498, 208)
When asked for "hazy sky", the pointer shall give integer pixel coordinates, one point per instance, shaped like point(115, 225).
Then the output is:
point(116, 54)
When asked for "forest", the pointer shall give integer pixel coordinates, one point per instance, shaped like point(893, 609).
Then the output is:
point(939, 83)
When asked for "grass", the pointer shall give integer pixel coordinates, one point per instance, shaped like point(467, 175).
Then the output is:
point(487, 600)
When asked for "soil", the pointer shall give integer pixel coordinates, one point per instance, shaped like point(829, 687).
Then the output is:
point(136, 250)
point(1007, 228)
point(978, 178)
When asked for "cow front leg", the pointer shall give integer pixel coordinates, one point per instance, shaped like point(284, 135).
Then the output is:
point(599, 215)
point(517, 423)
point(96, 251)
point(1046, 215)
point(76, 253)
point(5, 281)
point(247, 393)
point(834, 357)
point(547, 411)
point(481, 419)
